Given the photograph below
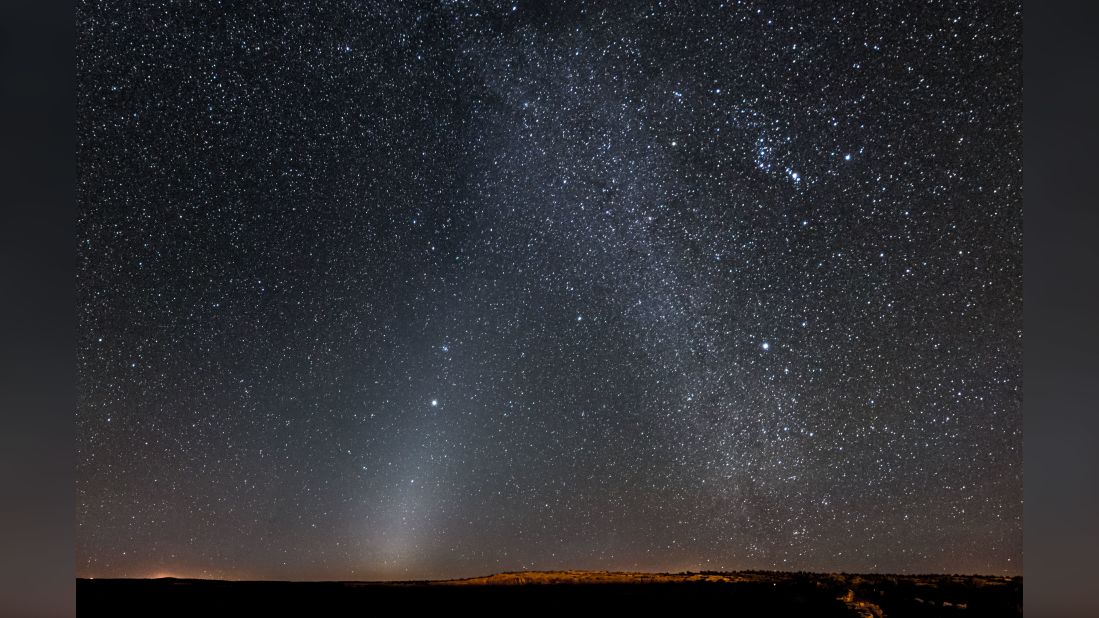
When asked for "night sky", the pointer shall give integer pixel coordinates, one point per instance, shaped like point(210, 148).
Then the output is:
point(375, 290)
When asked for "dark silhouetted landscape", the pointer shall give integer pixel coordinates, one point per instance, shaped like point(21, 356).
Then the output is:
point(749, 593)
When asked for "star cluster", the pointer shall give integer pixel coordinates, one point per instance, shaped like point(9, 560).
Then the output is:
point(410, 289)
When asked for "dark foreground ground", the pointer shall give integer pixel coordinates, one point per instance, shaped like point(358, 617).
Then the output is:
point(565, 593)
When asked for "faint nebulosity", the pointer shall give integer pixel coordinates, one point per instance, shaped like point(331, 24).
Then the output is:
point(389, 290)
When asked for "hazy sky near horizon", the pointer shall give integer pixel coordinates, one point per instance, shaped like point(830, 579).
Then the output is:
point(375, 290)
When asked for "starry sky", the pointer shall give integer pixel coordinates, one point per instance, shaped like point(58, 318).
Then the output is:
point(393, 290)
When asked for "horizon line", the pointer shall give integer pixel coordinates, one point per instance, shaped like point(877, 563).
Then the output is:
point(551, 571)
